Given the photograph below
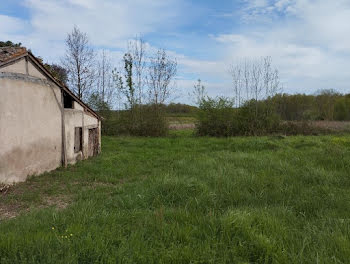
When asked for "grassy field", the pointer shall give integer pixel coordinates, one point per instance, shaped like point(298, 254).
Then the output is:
point(182, 199)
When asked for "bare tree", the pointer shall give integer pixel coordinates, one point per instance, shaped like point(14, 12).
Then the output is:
point(256, 83)
point(271, 79)
point(124, 82)
point(141, 76)
point(247, 78)
point(236, 73)
point(79, 61)
point(254, 79)
point(104, 79)
point(129, 81)
point(118, 86)
point(137, 50)
point(161, 72)
point(199, 92)
point(271, 83)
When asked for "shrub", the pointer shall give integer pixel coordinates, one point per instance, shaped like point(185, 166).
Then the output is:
point(257, 118)
point(180, 109)
point(145, 120)
point(342, 109)
point(114, 123)
point(218, 117)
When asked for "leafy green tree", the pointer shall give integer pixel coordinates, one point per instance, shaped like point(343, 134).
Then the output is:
point(325, 101)
point(96, 102)
point(124, 81)
point(342, 109)
point(58, 72)
point(9, 44)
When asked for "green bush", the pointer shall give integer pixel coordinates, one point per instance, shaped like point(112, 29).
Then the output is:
point(342, 109)
point(325, 105)
point(145, 120)
point(258, 118)
point(114, 123)
point(218, 117)
point(180, 109)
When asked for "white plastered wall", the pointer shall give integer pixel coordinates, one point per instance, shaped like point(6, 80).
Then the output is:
point(30, 125)
point(78, 118)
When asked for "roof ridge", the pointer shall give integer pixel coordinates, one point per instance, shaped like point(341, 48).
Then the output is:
point(8, 54)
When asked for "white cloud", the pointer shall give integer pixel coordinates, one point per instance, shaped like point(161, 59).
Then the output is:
point(283, 5)
point(109, 23)
point(308, 40)
point(10, 24)
point(310, 44)
point(210, 69)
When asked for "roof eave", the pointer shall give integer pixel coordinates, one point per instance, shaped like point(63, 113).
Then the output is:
point(62, 86)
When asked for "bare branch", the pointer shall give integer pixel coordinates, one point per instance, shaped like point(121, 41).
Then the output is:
point(104, 79)
point(137, 49)
point(79, 61)
point(161, 73)
point(199, 92)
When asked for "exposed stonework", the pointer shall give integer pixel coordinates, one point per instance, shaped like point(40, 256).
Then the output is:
point(25, 77)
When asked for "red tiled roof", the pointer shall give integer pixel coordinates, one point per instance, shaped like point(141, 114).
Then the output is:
point(8, 53)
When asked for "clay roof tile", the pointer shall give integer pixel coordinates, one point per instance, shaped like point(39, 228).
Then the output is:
point(8, 53)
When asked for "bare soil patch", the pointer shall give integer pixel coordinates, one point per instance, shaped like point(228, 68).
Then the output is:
point(179, 126)
point(332, 125)
point(12, 204)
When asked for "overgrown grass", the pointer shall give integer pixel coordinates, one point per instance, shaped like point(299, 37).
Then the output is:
point(183, 199)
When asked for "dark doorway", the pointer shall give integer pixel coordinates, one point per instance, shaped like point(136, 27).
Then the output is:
point(78, 136)
point(93, 142)
point(67, 100)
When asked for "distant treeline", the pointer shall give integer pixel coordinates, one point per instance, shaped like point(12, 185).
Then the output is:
point(219, 117)
point(171, 109)
point(325, 105)
point(142, 120)
point(180, 109)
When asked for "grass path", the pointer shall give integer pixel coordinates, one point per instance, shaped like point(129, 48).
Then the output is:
point(187, 200)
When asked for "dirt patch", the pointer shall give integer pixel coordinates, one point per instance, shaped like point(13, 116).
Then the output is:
point(12, 209)
point(332, 125)
point(107, 184)
point(335, 126)
point(60, 202)
point(181, 126)
point(99, 184)
point(12, 202)
point(9, 211)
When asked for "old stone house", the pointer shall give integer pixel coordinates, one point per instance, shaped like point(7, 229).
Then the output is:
point(43, 125)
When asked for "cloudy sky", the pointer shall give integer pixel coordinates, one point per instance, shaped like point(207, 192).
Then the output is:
point(308, 40)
